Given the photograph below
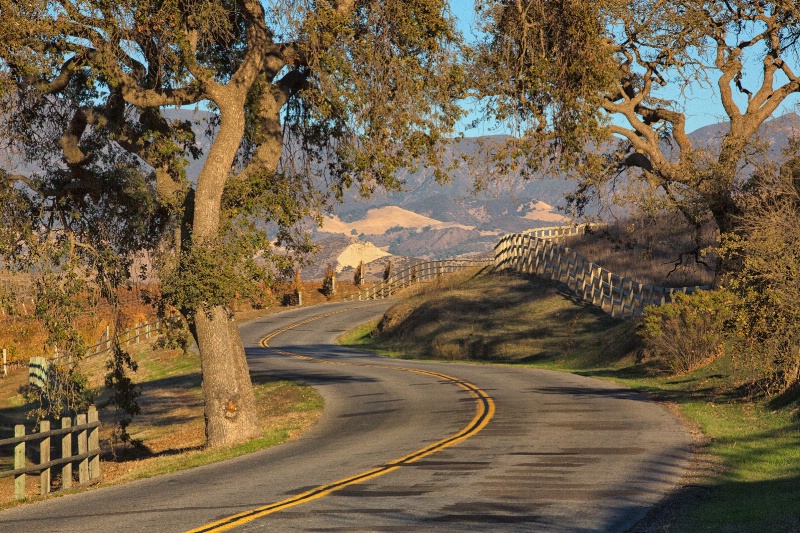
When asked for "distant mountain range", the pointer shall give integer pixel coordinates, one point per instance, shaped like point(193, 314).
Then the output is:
point(431, 220)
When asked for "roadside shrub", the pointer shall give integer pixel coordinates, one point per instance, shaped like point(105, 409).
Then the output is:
point(124, 394)
point(358, 275)
point(387, 271)
point(690, 331)
point(64, 391)
point(764, 259)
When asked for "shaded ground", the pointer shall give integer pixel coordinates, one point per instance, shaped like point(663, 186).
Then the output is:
point(505, 318)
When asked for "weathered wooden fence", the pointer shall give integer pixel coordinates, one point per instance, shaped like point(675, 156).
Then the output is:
point(421, 272)
point(530, 253)
point(83, 432)
point(553, 233)
point(126, 337)
point(38, 366)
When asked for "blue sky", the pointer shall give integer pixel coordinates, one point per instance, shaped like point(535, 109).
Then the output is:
point(702, 105)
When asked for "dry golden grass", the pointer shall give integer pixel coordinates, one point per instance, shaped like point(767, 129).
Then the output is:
point(652, 251)
point(503, 318)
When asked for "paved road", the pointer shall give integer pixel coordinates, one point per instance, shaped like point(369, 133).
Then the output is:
point(449, 447)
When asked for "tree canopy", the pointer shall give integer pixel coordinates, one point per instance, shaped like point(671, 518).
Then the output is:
point(610, 76)
point(306, 98)
point(300, 94)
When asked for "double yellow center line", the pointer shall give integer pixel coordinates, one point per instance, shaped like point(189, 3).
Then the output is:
point(484, 411)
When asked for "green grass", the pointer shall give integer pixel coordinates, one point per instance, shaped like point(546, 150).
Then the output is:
point(751, 483)
point(171, 423)
point(203, 457)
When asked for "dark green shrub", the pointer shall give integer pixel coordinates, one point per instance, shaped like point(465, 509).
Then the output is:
point(764, 259)
point(690, 331)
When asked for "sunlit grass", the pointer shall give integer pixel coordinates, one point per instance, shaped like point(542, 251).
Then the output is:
point(171, 424)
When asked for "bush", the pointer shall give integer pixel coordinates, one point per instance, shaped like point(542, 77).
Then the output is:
point(690, 331)
point(358, 275)
point(387, 271)
point(329, 282)
point(764, 264)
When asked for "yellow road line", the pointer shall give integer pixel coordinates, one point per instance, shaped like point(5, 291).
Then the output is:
point(484, 411)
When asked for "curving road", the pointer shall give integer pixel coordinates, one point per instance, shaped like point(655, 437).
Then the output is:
point(408, 446)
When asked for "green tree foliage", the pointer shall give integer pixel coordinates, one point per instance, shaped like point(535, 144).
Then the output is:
point(303, 98)
point(767, 278)
point(568, 75)
point(124, 393)
point(688, 332)
point(60, 299)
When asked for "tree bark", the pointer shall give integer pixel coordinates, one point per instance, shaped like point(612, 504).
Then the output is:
point(230, 411)
point(230, 408)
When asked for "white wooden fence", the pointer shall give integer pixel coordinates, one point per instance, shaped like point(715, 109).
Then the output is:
point(421, 272)
point(530, 253)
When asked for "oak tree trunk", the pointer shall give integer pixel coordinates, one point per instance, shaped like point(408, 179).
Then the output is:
point(230, 408)
point(230, 411)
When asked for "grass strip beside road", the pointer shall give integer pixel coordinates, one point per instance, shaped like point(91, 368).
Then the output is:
point(171, 426)
point(747, 470)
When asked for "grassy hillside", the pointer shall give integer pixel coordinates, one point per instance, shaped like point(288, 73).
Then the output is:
point(504, 318)
point(747, 466)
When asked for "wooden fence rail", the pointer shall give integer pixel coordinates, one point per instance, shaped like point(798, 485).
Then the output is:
point(530, 253)
point(85, 431)
point(557, 232)
point(418, 273)
point(38, 367)
point(124, 338)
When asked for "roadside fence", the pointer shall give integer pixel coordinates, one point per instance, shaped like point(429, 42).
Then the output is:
point(84, 432)
point(422, 272)
point(38, 367)
point(530, 253)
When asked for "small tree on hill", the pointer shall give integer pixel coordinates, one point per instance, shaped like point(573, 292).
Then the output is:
point(387, 271)
point(358, 275)
point(329, 282)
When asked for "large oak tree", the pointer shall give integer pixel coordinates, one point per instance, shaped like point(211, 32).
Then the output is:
point(300, 93)
point(600, 87)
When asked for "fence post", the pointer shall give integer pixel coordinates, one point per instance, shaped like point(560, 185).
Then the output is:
point(19, 462)
point(44, 457)
point(66, 451)
point(83, 447)
point(5, 364)
point(94, 444)
point(108, 337)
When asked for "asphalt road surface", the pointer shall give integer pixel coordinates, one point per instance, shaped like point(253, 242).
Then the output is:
point(407, 446)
